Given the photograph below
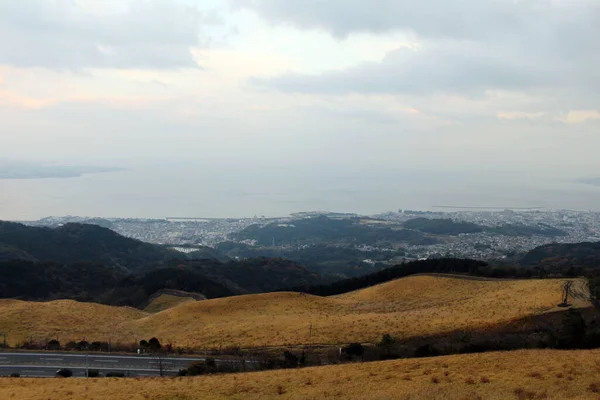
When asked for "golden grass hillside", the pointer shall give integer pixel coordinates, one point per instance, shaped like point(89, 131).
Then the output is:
point(166, 301)
point(413, 306)
point(524, 374)
point(67, 319)
point(418, 305)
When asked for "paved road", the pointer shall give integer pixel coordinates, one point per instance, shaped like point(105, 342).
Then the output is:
point(46, 364)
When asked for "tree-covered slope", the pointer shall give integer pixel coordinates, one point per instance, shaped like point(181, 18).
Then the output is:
point(79, 243)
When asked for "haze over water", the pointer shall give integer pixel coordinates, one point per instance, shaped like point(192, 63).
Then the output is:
point(202, 191)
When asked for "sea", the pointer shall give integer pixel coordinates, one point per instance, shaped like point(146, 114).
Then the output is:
point(234, 192)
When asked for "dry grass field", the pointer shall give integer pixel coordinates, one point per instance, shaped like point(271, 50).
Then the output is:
point(166, 301)
point(524, 374)
point(417, 305)
point(67, 319)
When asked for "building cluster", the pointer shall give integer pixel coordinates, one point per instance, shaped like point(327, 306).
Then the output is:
point(579, 226)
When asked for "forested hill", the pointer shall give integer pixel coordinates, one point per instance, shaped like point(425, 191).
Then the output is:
point(443, 265)
point(325, 230)
point(79, 243)
point(442, 226)
point(28, 280)
point(586, 254)
point(257, 275)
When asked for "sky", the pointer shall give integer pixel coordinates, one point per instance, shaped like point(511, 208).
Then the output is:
point(496, 86)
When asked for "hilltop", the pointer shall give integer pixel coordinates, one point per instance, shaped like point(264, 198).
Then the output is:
point(168, 298)
point(66, 319)
point(72, 243)
point(408, 307)
point(586, 254)
point(321, 230)
point(524, 374)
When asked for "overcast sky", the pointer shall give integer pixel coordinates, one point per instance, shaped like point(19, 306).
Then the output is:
point(499, 85)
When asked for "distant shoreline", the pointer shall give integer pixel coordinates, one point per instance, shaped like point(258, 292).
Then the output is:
point(490, 208)
point(54, 173)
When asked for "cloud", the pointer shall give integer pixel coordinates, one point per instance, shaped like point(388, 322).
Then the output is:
point(580, 116)
point(520, 115)
point(468, 48)
point(432, 18)
point(449, 67)
point(65, 34)
point(9, 99)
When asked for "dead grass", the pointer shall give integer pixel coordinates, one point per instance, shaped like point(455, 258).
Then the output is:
point(65, 319)
point(418, 305)
point(166, 301)
point(472, 376)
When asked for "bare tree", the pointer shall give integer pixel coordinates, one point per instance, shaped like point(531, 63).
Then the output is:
point(566, 291)
point(159, 359)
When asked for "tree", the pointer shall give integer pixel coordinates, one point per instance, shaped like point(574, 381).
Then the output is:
point(572, 331)
point(161, 365)
point(53, 345)
point(154, 344)
point(386, 344)
point(64, 373)
point(353, 350)
point(566, 291)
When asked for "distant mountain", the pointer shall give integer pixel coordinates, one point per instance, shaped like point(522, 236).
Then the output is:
point(525, 230)
point(586, 254)
point(325, 230)
point(73, 243)
point(443, 265)
point(332, 262)
point(136, 290)
point(28, 280)
point(442, 226)
point(257, 275)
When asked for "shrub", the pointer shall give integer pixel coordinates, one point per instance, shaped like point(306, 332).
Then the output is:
point(93, 373)
point(209, 366)
point(115, 375)
point(64, 373)
point(154, 344)
point(353, 350)
point(99, 346)
point(290, 359)
point(71, 346)
point(53, 345)
point(426, 350)
point(386, 345)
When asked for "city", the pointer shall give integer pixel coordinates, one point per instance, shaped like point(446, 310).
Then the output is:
point(187, 234)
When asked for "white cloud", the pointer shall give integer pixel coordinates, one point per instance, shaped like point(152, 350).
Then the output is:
point(468, 48)
point(519, 115)
point(64, 34)
point(579, 116)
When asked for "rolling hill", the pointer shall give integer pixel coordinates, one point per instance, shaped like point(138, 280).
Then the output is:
point(326, 230)
point(66, 319)
point(79, 243)
point(586, 254)
point(523, 374)
point(166, 298)
point(408, 307)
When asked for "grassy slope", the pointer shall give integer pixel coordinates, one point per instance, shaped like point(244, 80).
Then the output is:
point(68, 319)
point(166, 301)
point(531, 374)
point(418, 305)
